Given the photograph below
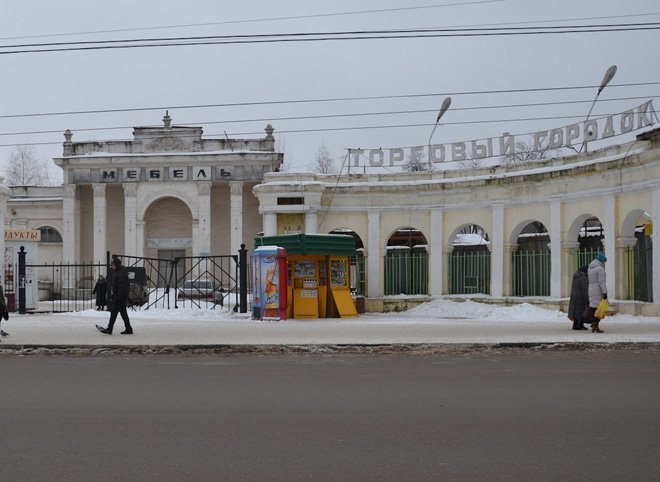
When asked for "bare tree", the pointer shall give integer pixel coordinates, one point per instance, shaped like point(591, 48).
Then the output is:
point(325, 164)
point(416, 163)
point(470, 163)
point(25, 169)
point(523, 152)
point(281, 146)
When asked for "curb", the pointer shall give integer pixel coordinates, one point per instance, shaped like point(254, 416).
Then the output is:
point(319, 349)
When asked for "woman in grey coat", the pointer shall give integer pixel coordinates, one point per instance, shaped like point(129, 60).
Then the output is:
point(597, 288)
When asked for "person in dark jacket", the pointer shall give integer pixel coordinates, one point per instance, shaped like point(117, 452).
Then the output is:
point(100, 289)
point(4, 311)
point(119, 299)
point(579, 299)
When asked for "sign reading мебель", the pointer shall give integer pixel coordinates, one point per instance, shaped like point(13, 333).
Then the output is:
point(135, 174)
point(587, 131)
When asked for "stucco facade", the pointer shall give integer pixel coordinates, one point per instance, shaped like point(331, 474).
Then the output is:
point(167, 190)
point(620, 186)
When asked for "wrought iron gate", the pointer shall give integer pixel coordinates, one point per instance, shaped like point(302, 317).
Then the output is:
point(214, 282)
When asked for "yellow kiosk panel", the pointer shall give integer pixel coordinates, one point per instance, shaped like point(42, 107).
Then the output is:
point(305, 303)
point(344, 303)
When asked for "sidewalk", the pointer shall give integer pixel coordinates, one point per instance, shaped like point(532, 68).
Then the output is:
point(205, 328)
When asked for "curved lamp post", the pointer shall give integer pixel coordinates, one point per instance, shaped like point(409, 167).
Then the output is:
point(609, 75)
point(443, 108)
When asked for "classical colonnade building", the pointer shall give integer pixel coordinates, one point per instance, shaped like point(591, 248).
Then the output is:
point(556, 212)
point(511, 232)
point(167, 192)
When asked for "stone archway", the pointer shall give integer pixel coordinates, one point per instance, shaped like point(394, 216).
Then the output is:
point(406, 263)
point(358, 275)
point(469, 260)
point(168, 230)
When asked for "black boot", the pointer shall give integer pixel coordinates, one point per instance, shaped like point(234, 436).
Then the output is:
point(105, 331)
point(127, 331)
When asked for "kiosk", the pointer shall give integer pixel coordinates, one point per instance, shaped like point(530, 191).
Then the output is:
point(318, 279)
point(270, 283)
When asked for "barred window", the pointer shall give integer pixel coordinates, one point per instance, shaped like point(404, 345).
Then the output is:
point(50, 235)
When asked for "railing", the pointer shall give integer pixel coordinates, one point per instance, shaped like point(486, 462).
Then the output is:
point(640, 271)
point(530, 272)
point(582, 257)
point(62, 287)
point(153, 283)
point(358, 274)
point(469, 272)
point(406, 273)
point(199, 281)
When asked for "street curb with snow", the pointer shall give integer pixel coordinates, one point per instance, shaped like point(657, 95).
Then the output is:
point(419, 349)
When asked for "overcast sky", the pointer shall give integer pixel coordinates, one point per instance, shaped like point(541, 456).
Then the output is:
point(268, 73)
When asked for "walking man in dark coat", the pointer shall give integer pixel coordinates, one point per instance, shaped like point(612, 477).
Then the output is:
point(118, 299)
point(579, 299)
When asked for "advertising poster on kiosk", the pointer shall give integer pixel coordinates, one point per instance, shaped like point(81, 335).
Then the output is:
point(269, 264)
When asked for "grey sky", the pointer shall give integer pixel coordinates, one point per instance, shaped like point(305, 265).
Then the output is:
point(266, 72)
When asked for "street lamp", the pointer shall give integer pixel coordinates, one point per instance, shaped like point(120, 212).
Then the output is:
point(609, 75)
point(443, 108)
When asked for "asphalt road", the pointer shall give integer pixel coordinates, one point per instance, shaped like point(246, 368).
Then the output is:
point(480, 416)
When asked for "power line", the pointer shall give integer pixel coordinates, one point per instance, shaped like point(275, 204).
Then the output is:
point(269, 19)
point(322, 100)
point(336, 14)
point(367, 127)
point(418, 30)
point(342, 115)
point(319, 37)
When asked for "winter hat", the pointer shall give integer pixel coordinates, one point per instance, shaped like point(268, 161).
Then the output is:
point(601, 257)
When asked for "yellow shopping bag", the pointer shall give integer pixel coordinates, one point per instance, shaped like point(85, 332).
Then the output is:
point(601, 311)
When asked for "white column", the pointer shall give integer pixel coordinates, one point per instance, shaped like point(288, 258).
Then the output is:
point(236, 213)
point(655, 215)
point(99, 232)
point(555, 249)
point(374, 281)
point(437, 255)
point(311, 222)
point(270, 224)
point(70, 220)
point(139, 238)
point(609, 230)
point(497, 252)
point(204, 216)
point(194, 228)
point(130, 219)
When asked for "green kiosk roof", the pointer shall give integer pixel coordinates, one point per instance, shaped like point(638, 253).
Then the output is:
point(329, 244)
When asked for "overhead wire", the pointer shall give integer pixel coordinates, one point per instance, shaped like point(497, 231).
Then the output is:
point(344, 115)
point(326, 99)
point(272, 19)
point(320, 36)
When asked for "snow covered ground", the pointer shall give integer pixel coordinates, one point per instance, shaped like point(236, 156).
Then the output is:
point(438, 321)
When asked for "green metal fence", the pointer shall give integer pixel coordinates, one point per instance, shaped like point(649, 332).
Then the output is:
point(358, 274)
point(469, 272)
point(406, 273)
point(582, 257)
point(530, 273)
point(639, 259)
